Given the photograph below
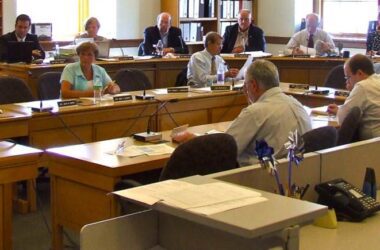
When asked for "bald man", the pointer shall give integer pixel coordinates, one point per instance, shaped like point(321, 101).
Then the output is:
point(243, 36)
point(170, 36)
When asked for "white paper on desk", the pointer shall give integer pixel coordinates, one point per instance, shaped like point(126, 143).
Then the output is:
point(142, 57)
point(207, 194)
point(306, 50)
point(200, 90)
point(241, 73)
point(151, 194)
point(151, 150)
point(225, 206)
point(160, 91)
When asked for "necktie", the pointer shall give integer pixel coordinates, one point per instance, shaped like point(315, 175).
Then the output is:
point(310, 42)
point(213, 66)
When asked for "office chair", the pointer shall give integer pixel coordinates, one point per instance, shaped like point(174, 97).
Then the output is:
point(140, 51)
point(335, 78)
point(320, 138)
point(49, 86)
point(132, 80)
point(349, 129)
point(201, 156)
point(181, 79)
point(13, 90)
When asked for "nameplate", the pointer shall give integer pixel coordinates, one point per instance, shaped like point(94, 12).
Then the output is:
point(320, 92)
point(241, 55)
point(342, 93)
point(220, 87)
point(299, 86)
point(184, 56)
point(178, 90)
point(125, 58)
point(121, 98)
point(301, 56)
point(67, 103)
point(237, 88)
point(57, 61)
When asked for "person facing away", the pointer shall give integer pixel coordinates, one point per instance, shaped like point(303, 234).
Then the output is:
point(20, 34)
point(78, 79)
point(243, 36)
point(311, 37)
point(364, 85)
point(203, 65)
point(270, 115)
point(92, 27)
point(170, 36)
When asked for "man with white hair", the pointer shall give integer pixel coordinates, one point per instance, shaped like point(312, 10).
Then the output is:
point(171, 37)
point(310, 37)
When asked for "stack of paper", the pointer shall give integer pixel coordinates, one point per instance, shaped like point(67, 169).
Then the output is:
point(205, 199)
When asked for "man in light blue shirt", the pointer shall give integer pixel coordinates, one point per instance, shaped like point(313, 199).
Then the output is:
point(203, 65)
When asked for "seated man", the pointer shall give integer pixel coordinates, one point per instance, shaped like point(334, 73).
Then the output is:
point(243, 36)
point(170, 36)
point(311, 37)
point(271, 114)
point(203, 65)
point(364, 85)
point(20, 34)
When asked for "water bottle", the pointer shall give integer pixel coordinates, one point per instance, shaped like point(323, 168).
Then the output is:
point(220, 74)
point(56, 50)
point(98, 87)
point(159, 47)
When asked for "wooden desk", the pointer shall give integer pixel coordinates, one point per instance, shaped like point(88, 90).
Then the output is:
point(17, 163)
point(13, 123)
point(163, 72)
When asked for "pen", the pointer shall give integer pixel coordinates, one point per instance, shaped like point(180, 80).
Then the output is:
point(304, 191)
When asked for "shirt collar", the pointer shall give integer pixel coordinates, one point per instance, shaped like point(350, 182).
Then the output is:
point(269, 93)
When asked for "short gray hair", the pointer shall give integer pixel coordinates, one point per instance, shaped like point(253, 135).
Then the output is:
point(264, 72)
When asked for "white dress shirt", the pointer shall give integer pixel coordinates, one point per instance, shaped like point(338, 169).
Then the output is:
point(199, 68)
point(302, 38)
point(366, 96)
point(271, 118)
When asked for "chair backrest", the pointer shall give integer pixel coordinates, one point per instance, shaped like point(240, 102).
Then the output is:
point(349, 129)
point(49, 86)
point(14, 90)
point(320, 138)
point(202, 155)
point(335, 78)
point(140, 51)
point(181, 78)
point(376, 67)
point(132, 79)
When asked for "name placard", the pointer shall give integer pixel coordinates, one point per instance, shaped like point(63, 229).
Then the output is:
point(121, 98)
point(184, 56)
point(220, 87)
point(320, 92)
point(241, 55)
point(125, 58)
point(342, 93)
point(67, 103)
point(178, 90)
point(301, 56)
point(299, 86)
point(57, 61)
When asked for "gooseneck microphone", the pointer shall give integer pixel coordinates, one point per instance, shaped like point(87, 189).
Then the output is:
point(182, 46)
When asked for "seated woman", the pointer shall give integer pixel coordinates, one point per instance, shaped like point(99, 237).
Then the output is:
point(92, 27)
point(77, 79)
point(373, 41)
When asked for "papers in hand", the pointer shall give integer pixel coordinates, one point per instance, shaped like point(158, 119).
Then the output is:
point(150, 150)
point(206, 199)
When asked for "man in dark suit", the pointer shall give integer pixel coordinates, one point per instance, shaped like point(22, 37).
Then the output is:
point(20, 34)
point(171, 37)
point(243, 36)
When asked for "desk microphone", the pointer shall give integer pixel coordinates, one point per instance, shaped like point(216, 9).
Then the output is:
point(144, 96)
point(182, 46)
point(150, 135)
point(123, 56)
point(42, 108)
point(340, 47)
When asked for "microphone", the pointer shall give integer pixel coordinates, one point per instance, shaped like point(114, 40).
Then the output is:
point(340, 47)
point(150, 135)
point(123, 56)
point(182, 46)
point(144, 96)
point(42, 108)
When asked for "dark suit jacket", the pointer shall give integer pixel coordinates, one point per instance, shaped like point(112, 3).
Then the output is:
point(152, 35)
point(11, 36)
point(256, 39)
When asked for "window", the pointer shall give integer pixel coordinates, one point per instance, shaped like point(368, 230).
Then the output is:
point(64, 15)
point(348, 17)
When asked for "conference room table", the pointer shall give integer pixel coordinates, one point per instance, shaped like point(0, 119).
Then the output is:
point(162, 72)
point(82, 176)
point(17, 163)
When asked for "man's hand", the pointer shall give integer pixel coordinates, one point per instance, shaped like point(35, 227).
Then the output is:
point(232, 73)
point(168, 50)
point(36, 52)
point(238, 49)
point(332, 109)
point(183, 137)
point(297, 51)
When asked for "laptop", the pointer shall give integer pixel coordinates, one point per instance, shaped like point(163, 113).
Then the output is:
point(19, 52)
point(104, 49)
point(78, 41)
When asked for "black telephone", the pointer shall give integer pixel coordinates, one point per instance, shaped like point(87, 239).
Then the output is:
point(348, 201)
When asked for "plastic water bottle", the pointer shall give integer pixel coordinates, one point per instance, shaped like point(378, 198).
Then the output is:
point(56, 50)
point(220, 74)
point(98, 87)
point(159, 47)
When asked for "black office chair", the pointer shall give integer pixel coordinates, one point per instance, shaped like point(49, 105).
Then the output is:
point(181, 79)
point(349, 129)
point(140, 51)
point(132, 80)
point(202, 155)
point(49, 86)
point(335, 78)
point(13, 90)
point(320, 138)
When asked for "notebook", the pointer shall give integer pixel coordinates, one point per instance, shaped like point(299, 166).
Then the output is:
point(19, 52)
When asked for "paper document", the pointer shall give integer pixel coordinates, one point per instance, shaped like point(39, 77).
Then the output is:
point(151, 150)
point(206, 199)
point(241, 73)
